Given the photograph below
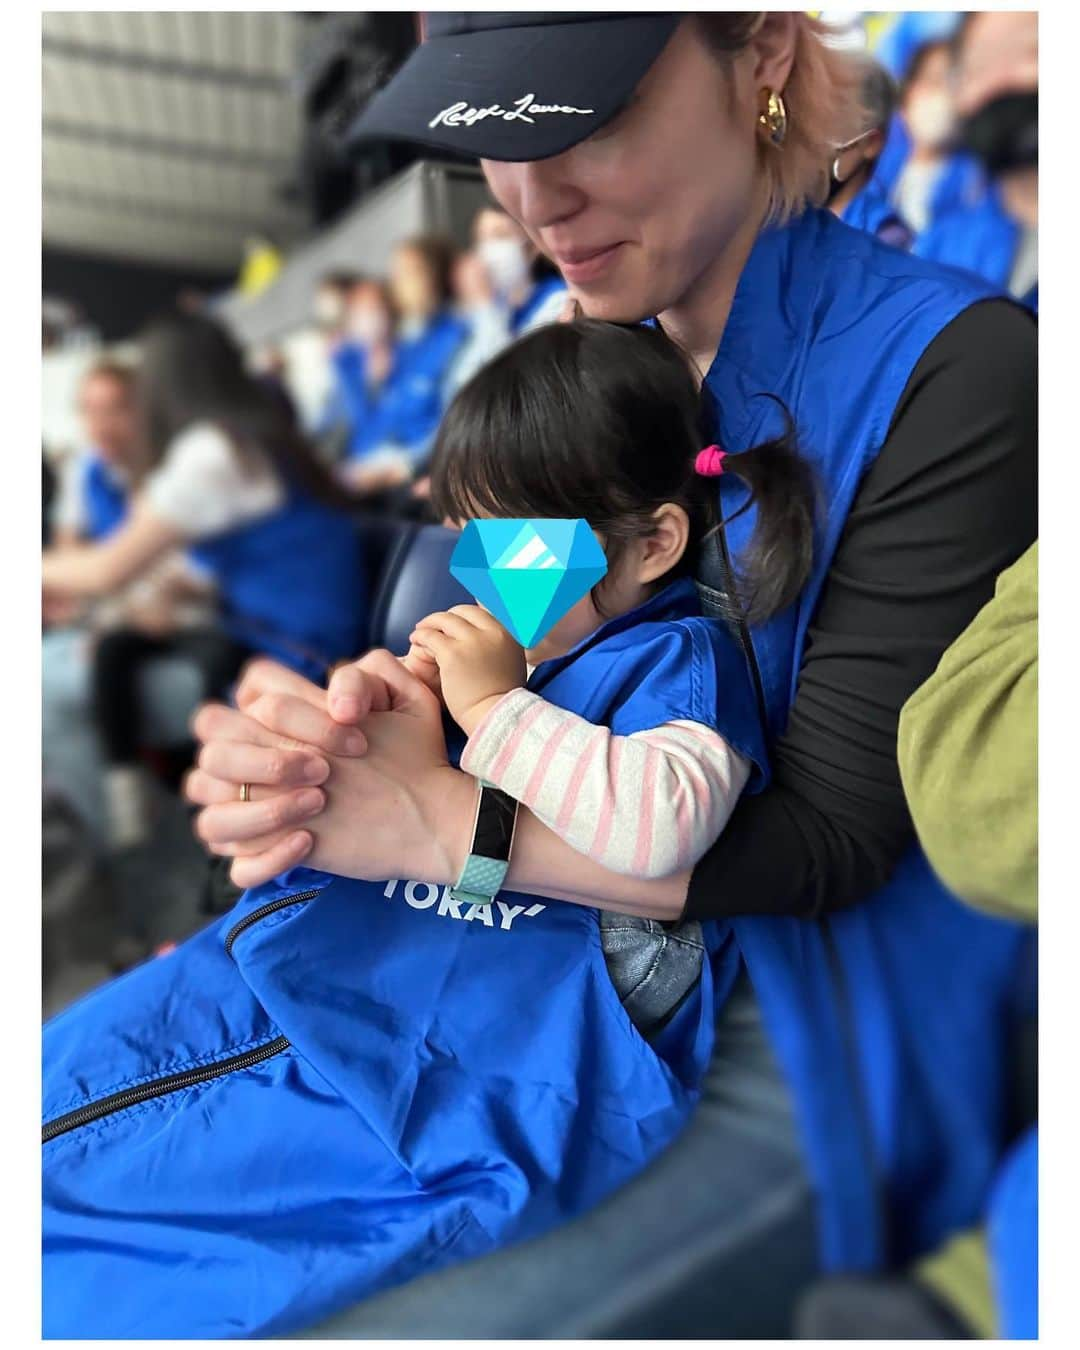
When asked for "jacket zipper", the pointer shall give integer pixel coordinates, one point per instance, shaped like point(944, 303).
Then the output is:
point(257, 915)
point(162, 1087)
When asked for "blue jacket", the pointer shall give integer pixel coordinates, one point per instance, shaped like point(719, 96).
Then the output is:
point(406, 409)
point(104, 497)
point(292, 585)
point(375, 1079)
point(871, 210)
point(981, 239)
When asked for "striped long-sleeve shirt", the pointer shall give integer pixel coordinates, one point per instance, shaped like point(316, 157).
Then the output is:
point(649, 804)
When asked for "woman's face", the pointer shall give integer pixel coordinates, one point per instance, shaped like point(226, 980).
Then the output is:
point(635, 214)
point(505, 251)
point(108, 416)
point(367, 318)
point(490, 225)
point(412, 284)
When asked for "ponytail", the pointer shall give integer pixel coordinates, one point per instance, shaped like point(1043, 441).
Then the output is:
point(776, 563)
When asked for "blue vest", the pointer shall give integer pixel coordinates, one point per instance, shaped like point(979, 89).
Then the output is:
point(406, 410)
point(390, 1080)
point(540, 294)
point(104, 498)
point(981, 239)
point(292, 585)
point(355, 401)
point(871, 210)
point(884, 1015)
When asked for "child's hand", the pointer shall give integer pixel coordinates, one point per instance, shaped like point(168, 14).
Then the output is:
point(478, 660)
point(353, 692)
point(424, 666)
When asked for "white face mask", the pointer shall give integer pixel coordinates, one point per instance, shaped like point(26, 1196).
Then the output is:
point(328, 309)
point(368, 325)
point(506, 263)
point(930, 120)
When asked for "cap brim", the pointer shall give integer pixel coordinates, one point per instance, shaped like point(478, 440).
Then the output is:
point(519, 93)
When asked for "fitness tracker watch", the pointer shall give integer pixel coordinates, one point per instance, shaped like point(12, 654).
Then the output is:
point(488, 860)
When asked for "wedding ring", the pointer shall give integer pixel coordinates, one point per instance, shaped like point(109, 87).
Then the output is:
point(245, 792)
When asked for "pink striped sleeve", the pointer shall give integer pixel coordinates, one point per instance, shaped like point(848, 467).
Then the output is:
point(649, 804)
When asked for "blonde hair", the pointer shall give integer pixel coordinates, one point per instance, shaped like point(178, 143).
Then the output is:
point(823, 101)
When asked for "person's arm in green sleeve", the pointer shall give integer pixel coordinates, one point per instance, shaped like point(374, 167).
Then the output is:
point(968, 753)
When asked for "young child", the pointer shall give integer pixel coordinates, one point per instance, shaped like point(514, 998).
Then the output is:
point(596, 421)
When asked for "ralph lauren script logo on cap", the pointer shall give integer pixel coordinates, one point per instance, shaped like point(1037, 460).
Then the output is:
point(523, 110)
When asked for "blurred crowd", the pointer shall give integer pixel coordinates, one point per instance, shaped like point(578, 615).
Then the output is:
point(204, 519)
point(946, 163)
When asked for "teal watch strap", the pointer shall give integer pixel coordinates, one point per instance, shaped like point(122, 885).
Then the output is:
point(488, 859)
point(480, 881)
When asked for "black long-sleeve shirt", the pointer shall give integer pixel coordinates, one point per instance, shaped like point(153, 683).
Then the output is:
point(949, 502)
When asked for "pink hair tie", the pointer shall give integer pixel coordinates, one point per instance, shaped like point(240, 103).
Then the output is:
point(710, 462)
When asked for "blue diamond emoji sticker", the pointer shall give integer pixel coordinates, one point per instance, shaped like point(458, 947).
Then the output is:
point(528, 573)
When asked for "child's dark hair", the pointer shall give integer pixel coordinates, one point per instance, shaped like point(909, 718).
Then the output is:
point(604, 422)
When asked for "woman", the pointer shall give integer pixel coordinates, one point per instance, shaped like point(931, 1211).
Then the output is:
point(886, 365)
point(505, 288)
point(920, 170)
point(93, 492)
point(410, 403)
point(169, 597)
point(854, 195)
point(221, 470)
point(363, 361)
point(523, 280)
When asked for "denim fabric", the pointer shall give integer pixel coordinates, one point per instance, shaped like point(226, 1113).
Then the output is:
point(652, 965)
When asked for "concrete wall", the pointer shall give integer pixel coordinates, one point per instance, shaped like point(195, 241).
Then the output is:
point(427, 196)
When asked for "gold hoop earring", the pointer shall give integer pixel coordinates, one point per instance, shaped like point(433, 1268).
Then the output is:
point(773, 118)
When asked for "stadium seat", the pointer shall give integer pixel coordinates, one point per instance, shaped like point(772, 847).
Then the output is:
point(410, 564)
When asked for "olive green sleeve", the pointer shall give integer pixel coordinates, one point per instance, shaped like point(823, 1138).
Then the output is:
point(968, 752)
point(959, 1274)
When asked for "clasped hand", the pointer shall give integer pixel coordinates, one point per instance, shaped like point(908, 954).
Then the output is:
point(353, 779)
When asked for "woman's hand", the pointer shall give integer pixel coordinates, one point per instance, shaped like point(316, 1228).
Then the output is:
point(398, 810)
point(477, 659)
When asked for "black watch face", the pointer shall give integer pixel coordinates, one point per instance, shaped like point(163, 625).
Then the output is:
point(494, 825)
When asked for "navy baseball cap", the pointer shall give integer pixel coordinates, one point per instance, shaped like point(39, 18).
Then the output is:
point(513, 85)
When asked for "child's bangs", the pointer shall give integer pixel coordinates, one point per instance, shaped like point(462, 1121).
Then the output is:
point(483, 479)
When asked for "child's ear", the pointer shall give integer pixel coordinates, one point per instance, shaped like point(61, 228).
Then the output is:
point(665, 546)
